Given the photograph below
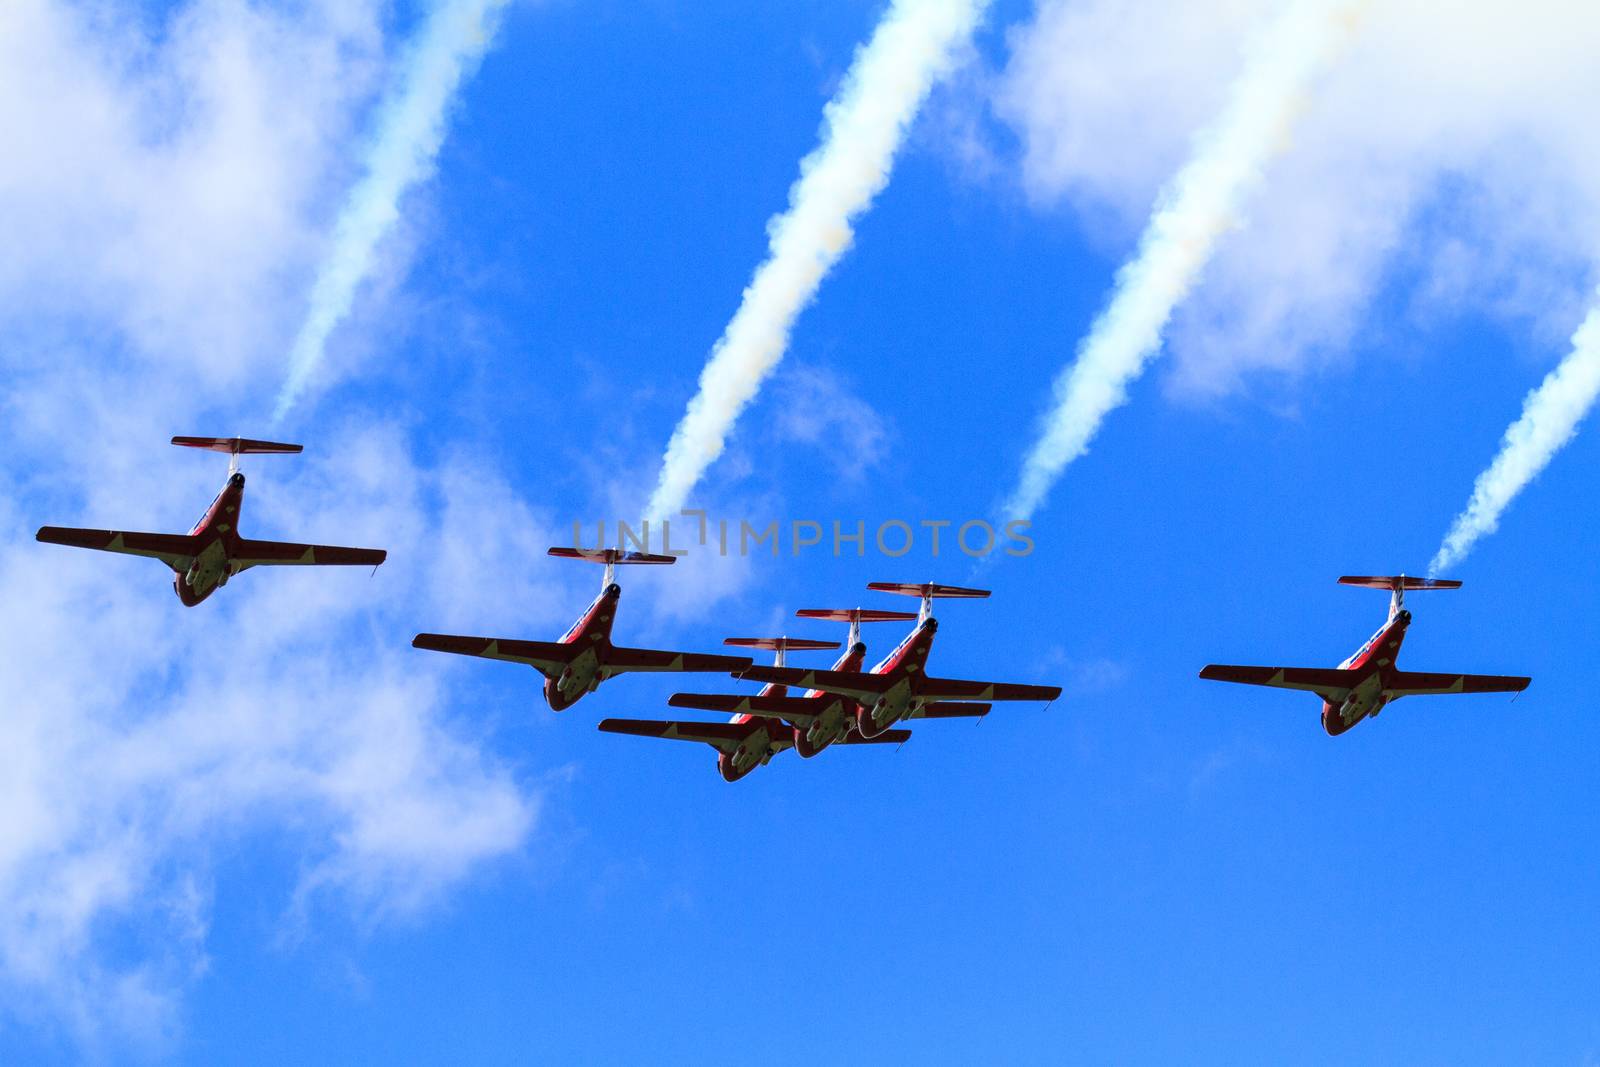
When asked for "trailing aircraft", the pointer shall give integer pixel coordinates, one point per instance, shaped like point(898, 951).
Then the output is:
point(212, 551)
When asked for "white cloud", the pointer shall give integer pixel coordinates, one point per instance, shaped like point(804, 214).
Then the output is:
point(165, 185)
point(143, 734)
point(1194, 212)
point(816, 407)
point(1455, 141)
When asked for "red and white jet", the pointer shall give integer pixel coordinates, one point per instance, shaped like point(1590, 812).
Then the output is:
point(899, 686)
point(212, 551)
point(762, 726)
point(584, 656)
point(1363, 684)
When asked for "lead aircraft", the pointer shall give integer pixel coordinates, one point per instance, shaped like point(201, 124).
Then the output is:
point(1364, 684)
point(757, 731)
point(584, 656)
point(899, 686)
point(212, 551)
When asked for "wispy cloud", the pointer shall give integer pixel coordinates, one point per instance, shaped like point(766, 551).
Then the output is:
point(410, 129)
point(863, 128)
point(1202, 202)
point(1443, 168)
point(817, 408)
point(155, 188)
point(1550, 418)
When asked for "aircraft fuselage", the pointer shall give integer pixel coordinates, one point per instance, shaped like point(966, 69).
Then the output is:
point(592, 633)
point(218, 531)
point(905, 665)
point(1376, 658)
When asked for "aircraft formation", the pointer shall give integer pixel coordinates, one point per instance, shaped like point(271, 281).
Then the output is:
point(803, 708)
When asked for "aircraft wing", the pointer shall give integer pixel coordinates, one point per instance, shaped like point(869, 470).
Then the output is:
point(287, 554)
point(622, 660)
point(796, 709)
point(858, 686)
point(1330, 684)
point(1417, 683)
point(175, 550)
point(956, 689)
point(888, 737)
point(550, 657)
point(723, 736)
point(945, 709)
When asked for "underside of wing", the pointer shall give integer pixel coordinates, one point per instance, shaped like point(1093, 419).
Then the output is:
point(175, 550)
point(888, 737)
point(957, 689)
point(856, 685)
point(723, 736)
point(550, 657)
point(1418, 683)
point(946, 709)
point(795, 709)
point(1331, 684)
point(288, 554)
point(620, 660)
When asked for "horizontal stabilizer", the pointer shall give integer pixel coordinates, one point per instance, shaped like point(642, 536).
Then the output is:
point(856, 615)
point(779, 644)
point(927, 589)
point(611, 555)
point(1397, 582)
point(237, 446)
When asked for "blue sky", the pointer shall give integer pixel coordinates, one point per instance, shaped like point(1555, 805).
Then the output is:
point(265, 829)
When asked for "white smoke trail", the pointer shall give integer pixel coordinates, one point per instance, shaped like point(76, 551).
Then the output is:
point(864, 125)
point(1192, 212)
point(1550, 418)
point(411, 126)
